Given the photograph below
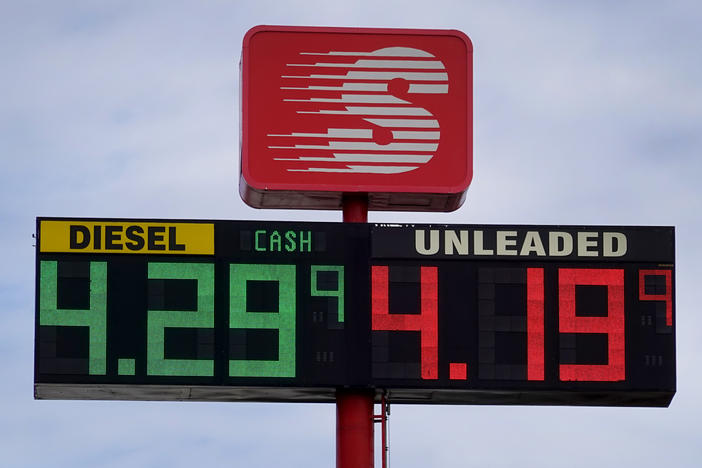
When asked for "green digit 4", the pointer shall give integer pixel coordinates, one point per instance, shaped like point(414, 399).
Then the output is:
point(94, 318)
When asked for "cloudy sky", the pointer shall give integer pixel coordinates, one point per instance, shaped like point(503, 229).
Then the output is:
point(585, 113)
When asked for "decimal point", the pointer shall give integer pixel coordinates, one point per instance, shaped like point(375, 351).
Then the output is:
point(126, 366)
point(458, 371)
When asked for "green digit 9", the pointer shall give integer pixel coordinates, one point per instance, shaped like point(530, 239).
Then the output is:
point(327, 290)
point(283, 320)
point(94, 318)
point(158, 320)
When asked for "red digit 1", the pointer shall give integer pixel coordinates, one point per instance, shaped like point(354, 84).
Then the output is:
point(535, 323)
point(426, 322)
point(667, 296)
point(612, 324)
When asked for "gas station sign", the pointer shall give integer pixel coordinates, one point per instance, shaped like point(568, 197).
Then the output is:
point(292, 311)
point(329, 111)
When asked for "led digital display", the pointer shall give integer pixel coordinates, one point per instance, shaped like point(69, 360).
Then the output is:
point(281, 311)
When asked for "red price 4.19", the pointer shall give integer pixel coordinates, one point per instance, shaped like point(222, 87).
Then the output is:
point(588, 303)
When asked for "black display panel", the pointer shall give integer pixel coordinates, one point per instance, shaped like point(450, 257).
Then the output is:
point(285, 311)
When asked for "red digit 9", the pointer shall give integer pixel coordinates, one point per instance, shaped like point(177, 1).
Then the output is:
point(612, 324)
point(667, 296)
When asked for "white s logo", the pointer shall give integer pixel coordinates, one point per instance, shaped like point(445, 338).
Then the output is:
point(385, 133)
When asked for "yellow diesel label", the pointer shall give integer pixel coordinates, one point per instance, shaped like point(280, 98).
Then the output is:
point(126, 237)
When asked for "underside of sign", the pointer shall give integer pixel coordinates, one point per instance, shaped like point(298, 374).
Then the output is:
point(328, 395)
point(333, 111)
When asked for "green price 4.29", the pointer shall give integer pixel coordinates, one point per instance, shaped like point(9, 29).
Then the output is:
point(274, 317)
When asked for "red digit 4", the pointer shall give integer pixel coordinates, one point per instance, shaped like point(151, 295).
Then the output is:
point(426, 322)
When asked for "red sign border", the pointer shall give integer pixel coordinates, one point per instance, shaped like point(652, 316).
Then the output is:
point(249, 187)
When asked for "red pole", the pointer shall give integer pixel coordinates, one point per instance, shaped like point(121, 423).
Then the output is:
point(354, 429)
point(355, 208)
point(354, 408)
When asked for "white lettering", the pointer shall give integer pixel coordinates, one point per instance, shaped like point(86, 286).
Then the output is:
point(420, 243)
point(532, 243)
point(608, 240)
point(506, 239)
point(554, 239)
point(478, 248)
point(585, 241)
point(510, 243)
point(453, 244)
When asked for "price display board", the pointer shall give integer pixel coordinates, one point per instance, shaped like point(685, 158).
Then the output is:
point(287, 311)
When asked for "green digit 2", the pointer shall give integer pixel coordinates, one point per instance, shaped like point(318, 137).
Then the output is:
point(94, 318)
point(158, 320)
point(283, 320)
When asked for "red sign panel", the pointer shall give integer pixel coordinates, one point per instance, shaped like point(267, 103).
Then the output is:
point(329, 111)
